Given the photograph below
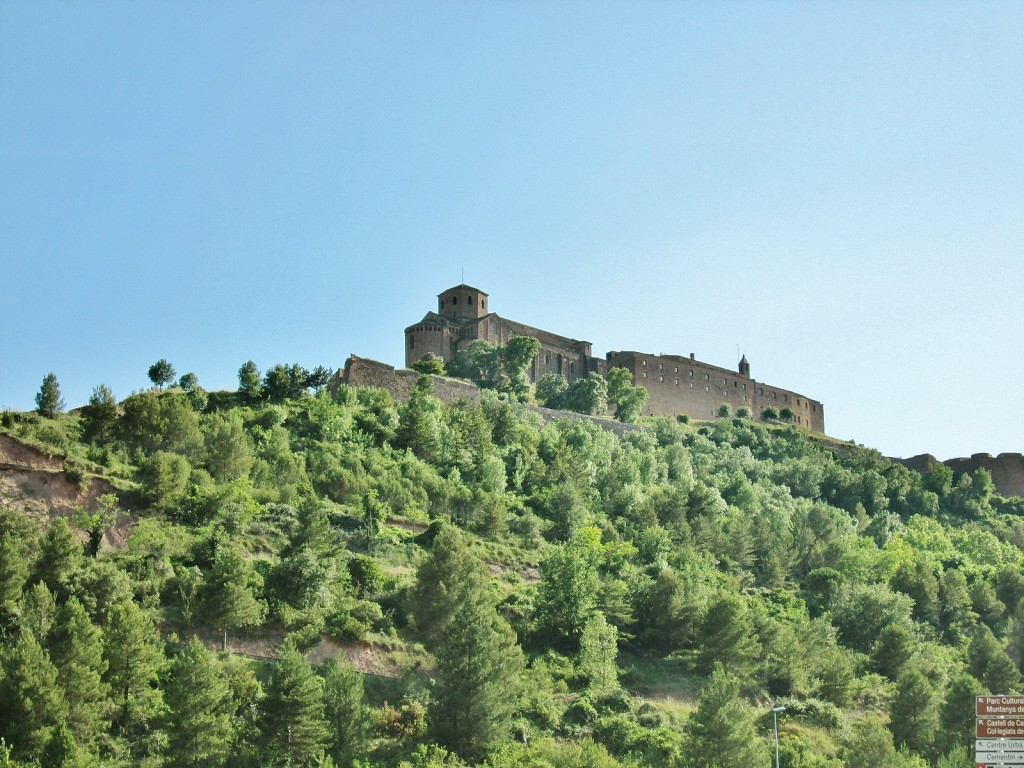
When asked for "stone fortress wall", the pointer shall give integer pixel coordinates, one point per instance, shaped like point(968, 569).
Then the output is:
point(1007, 468)
point(676, 385)
point(362, 372)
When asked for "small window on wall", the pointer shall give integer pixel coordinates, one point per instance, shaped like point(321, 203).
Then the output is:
point(442, 303)
point(707, 389)
point(661, 367)
point(645, 374)
point(469, 299)
point(677, 382)
point(725, 382)
point(483, 305)
point(691, 385)
point(643, 363)
point(661, 378)
point(690, 374)
point(455, 300)
point(707, 376)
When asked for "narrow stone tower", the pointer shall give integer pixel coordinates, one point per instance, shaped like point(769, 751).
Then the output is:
point(744, 367)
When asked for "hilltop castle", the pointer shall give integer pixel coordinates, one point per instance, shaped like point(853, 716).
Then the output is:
point(676, 385)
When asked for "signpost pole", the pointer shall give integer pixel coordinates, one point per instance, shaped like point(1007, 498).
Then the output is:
point(775, 718)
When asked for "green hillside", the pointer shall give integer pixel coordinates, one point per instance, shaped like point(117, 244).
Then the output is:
point(286, 576)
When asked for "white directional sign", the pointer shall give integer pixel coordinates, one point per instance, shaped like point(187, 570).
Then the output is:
point(999, 745)
point(1004, 758)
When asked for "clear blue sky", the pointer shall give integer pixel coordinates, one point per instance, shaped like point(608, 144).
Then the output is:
point(835, 189)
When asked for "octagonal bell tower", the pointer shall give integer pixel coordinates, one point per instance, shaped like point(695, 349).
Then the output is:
point(463, 302)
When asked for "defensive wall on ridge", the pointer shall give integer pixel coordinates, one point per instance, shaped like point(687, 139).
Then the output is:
point(361, 372)
point(675, 385)
point(1007, 469)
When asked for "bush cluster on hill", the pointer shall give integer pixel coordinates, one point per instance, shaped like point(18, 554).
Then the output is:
point(320, 579)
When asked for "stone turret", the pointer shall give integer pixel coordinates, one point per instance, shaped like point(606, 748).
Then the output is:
point(744, 367)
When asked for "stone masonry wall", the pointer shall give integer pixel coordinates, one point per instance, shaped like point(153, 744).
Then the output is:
point(1007, 469)
point(360, 372)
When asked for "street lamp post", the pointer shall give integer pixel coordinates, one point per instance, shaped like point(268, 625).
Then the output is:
point(775, 718)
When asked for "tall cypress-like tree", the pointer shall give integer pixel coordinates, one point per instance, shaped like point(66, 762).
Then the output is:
point(198, 717)
point(598, 650)
point(292, 724)
point(76, 647)
point(479, 675)
point(721, 733)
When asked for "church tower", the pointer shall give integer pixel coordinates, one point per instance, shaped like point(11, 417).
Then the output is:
point(744, 367)
point(463, 302)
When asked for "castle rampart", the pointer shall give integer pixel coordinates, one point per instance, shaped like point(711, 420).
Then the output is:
point(676, 385)
point(1007, 469)
point(679, 385)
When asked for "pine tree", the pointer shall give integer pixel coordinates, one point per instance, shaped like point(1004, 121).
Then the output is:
point(345, 710)
point(956, 715)
point(13, 575)
point(62, 750)
point(721, 732)
point(198, 718)
point(229, 593)
point(445, 580)
point(914, 711)
point(99, 416)
point(133, 660)
point(728, 634)
point(598, 650)
point(76, 647)
point(48, 400)
point(38, 611)
point(294, 731)
point(250, 383)
point(989, 662)
point(567, 596)
point(61, 558)
point(479, 674)
point(31, 704)
point(161, 373)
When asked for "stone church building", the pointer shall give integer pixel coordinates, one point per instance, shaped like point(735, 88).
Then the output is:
point(676, 385)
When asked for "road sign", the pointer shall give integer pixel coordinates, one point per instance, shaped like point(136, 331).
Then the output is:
point(1000, 728)
point(1004, 706)
point(996, 745)
point(1007, 758)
